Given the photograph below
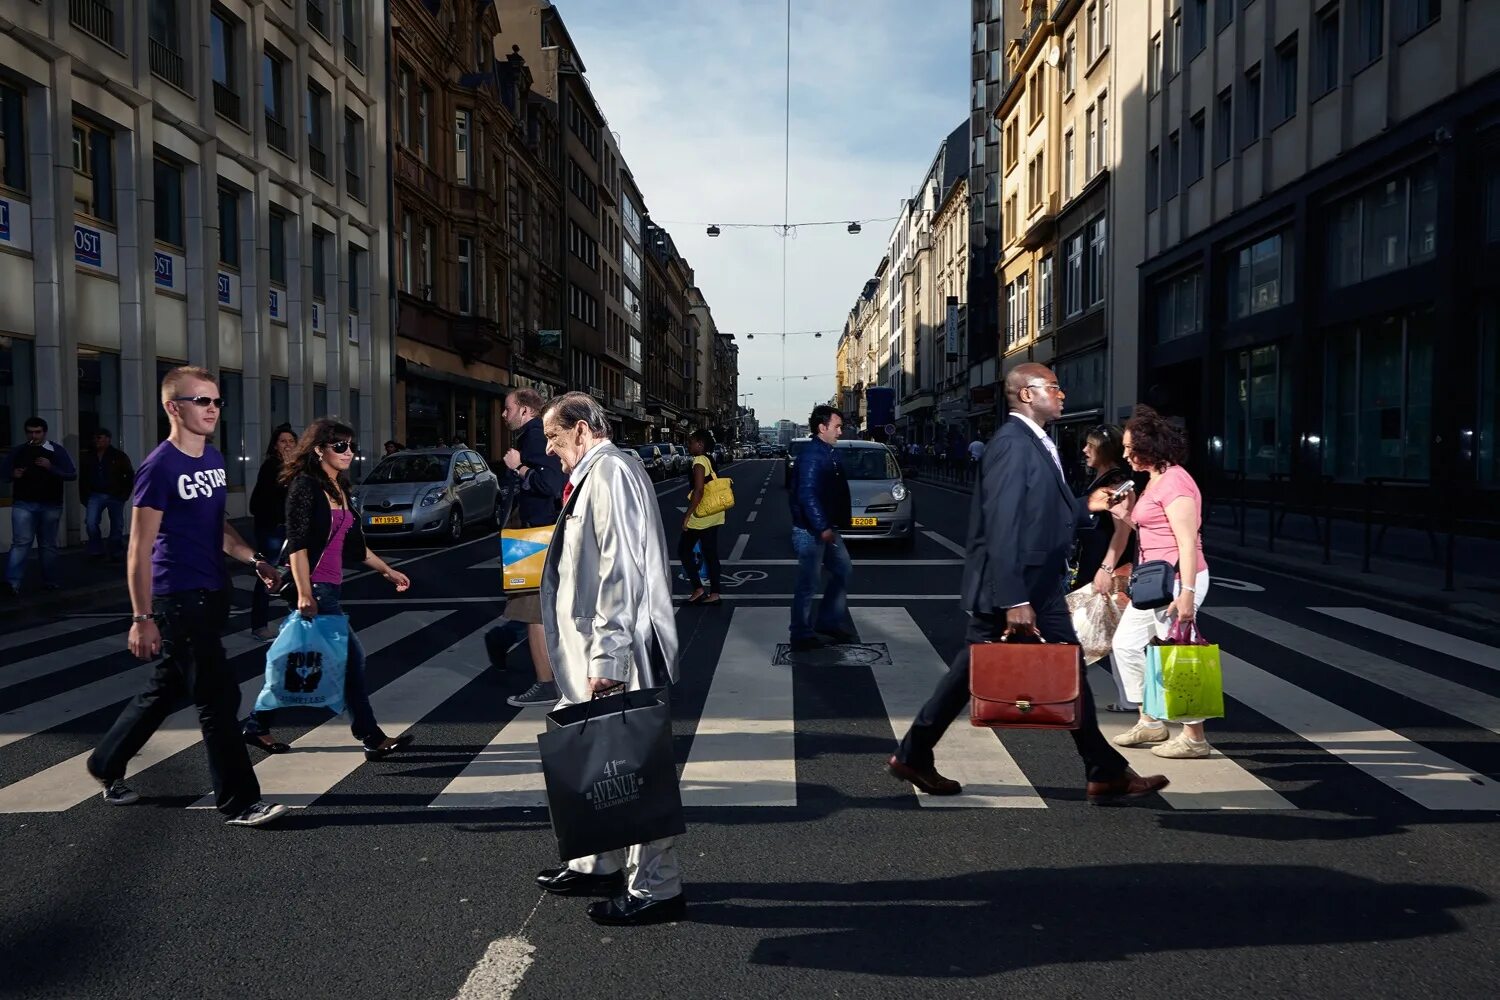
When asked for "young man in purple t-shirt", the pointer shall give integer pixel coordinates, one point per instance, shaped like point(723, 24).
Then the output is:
point(179, 597)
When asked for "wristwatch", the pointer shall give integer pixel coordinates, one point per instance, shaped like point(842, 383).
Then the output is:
point(137, 619)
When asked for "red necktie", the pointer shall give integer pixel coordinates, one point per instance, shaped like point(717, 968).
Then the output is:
point(567, 492)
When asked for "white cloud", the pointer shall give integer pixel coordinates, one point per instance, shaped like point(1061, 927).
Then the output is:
point(696, 91)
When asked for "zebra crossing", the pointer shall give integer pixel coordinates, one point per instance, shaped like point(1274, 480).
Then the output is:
point(743, 749)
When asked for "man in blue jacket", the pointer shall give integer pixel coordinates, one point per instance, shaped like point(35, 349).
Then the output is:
point(820, 506)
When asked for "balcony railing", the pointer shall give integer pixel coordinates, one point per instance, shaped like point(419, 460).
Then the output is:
point(317, 17)
point(96, 17)
point(1044, 316)
point(226, 102)
point(318, 160)
point(276, 134)
point(354, 184)
point(167, 64)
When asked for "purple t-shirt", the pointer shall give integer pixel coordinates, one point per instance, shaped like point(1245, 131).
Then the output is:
point(190, 493)
point(330, 568)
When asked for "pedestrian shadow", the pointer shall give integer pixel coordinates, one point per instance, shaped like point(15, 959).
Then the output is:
point(984, 923)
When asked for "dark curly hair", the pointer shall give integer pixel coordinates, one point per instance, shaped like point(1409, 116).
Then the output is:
point(704, 437)
point(305, 461)
point(1155, 442)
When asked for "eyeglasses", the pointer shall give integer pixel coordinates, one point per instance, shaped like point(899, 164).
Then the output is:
point(1044, 385)
point(204, 402)
point(341, 446)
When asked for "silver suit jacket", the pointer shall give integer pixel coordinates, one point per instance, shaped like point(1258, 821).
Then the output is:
point(606, 586)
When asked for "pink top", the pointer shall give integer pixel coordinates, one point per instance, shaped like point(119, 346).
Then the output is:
point(1154, 531)
point(330, 568)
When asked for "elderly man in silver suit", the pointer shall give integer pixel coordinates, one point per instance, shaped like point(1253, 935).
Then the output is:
point(607, 612)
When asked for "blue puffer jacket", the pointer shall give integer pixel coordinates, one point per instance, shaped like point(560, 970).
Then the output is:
point(820, 496)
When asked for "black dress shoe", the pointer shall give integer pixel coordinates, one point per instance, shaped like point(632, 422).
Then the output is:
point(388, 746)
point(628, 910)
point(805, 645)
point(565, 881)
point(838, 635)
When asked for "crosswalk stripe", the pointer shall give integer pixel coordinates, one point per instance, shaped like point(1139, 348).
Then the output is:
point(50, 663)
point(972, 756)
point(63, 626)
point(64, 785)
point(1217, 782)
point(1420, 774)
point(48, 713)
point(945, 542)
point(327, 755)
point(1461, 702)
point(744, 748)
point(506, 774)
point(1439, 642)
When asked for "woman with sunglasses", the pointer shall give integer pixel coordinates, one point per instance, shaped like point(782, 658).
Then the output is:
point(268, 507)
point(1106, 550)
point(321, 530)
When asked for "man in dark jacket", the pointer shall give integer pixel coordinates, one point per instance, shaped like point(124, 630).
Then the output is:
point(820, 506)
point(538, 499)
point(104, 483)
point(36, 470)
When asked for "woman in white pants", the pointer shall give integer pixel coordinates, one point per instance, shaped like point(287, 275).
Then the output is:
point(1168, 518)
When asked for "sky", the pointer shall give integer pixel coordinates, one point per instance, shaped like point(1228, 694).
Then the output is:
point(696, 92)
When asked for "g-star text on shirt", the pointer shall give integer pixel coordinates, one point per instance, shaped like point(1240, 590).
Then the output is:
point(201, 484)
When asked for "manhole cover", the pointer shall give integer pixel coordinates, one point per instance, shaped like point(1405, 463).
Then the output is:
point(853, 654)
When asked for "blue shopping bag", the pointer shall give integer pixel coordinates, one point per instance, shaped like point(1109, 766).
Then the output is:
point(305, 665)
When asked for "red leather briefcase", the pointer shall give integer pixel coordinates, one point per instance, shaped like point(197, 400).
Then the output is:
point(1025, 685)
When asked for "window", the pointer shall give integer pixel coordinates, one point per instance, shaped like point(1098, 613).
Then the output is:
point(1090, 141)
point(1091, 19)
point(229, 227)
point(1388, 226)
point(1369, 36)
point(317, 16)
point(1257, 412)
point(12, 137)
point(93, 171)
point(229, 433)
point(1044, 294)
point(1036, 96)
point(1154, 66)
point(1153, 179)
point(403, 105)
point(1260, 277)
point(465, 275)
point(424, 106)
point(427, 262)
point(223, 35)
point(1070, 67)
point(356, 258)
point(1073, 276)
point(463, 121)
point(1377, 398)
point(278, 247)
point(164, 42)
point(1012, 337)
point(1412, 16)
point(1488, 443)
point(1176, 48)
point(404, 251)
point(1036, 180)
point(1223, 14)
point(1286, 80)
point(274, 88)
point(1197, 27)
point(1223, 125)
point(1097, 278)
point(1324, 72)
point(1012, 144)
point(167, 196)
point(320, 265)
point(1192, 166)
point(353, 30)
point(317, 129)
point(354, 155)
point(1177, 307)
point(1250, 107)
point(1172, 169)
point(1068, 167)
point(1102, 157)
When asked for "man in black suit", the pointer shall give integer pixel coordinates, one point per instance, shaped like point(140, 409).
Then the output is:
point(1021, 528)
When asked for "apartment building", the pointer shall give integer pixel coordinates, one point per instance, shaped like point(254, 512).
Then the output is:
point(1322, 228)
point(950, 284)
point(668, 394)
point(636, 425)
point(987, 72)
point(193, 183)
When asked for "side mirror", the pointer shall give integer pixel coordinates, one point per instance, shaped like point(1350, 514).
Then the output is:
point(466, 477)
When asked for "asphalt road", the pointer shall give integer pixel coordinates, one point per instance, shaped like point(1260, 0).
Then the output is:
point(1343, 843)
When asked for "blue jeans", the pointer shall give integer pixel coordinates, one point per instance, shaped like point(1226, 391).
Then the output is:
point(813, 556)
point(31, 521)
point(356, 695)
point(98, 505)
point(268, 545)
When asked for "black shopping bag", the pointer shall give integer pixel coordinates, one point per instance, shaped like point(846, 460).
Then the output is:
point(611, 778)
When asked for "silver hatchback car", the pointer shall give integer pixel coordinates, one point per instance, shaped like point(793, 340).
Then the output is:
point(880, 505)
point(432, 492)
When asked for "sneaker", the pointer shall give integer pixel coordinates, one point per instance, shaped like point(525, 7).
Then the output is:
point(117, 793)
point(258, 815)
point(265, 633)
point(1182, 748)
point(1140, 735)
point(539, 694)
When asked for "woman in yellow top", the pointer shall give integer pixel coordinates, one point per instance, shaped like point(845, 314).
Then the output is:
point(701, 532)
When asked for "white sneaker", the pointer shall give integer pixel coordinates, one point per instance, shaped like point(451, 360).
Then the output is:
point(258, 815)
point(1182, 748)
point(1141, 734)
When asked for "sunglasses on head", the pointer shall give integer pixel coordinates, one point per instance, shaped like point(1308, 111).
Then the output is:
point(217, 402)
point(341, 446)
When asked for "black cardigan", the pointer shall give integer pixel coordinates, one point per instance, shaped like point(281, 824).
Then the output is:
point(268, 499)
point(309, 522)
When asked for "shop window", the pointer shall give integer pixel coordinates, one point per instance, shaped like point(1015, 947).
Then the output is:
point(1387, 226)
point(1257, 413)
point(1378, 399)
point(99, 396)
point(1488, 443)
point(230, 433)
point(1177, 307)
point(17, 392)
point(320, 400)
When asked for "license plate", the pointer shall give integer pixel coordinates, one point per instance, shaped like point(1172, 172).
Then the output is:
point(386, 519)
point(863, 522)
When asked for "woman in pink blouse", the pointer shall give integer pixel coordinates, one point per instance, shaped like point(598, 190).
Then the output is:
point(1168, 518)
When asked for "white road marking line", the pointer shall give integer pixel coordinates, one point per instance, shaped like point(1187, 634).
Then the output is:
point(751, 518)
point(951, 546)
point(1436, 692)
point(1420, 774)
point(328, 754)
point(744, 748)
point(13, 640)
point(739, 548)
point(758, 500)
point(1216, 782)
point(506, 773)
point(424, 601)
point(495, 563)
point(498, 973)
point(974, 757)
point(65, 659)
point(64, 785)
point(1439, 642)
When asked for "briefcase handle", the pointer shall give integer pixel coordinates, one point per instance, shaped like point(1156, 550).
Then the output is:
point(1016, 634)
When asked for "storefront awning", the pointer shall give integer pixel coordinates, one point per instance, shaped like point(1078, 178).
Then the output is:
point(410, 369)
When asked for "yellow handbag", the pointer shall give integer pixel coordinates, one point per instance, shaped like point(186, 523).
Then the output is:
point(718, 496)
point(523, 553)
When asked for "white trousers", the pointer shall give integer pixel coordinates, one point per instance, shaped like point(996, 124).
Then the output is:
point(1136, 630)
point(653, 871)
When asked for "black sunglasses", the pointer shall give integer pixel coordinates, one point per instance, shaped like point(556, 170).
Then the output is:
point(203, 401)
point(341, 446)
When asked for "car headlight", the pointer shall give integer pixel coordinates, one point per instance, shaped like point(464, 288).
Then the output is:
point(898, 492)
point(433, 495)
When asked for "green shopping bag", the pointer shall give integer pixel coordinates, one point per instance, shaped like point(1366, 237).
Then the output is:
point(1183, 677)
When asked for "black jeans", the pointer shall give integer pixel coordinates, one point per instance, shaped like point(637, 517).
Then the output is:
point(1101, 761)
point(708, 538)
point(192, 665)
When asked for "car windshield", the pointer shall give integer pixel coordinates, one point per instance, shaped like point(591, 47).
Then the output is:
point(410, 469)
point(868, 463)
point(646, 451)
